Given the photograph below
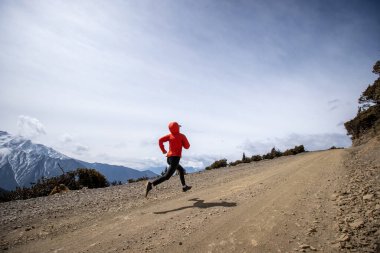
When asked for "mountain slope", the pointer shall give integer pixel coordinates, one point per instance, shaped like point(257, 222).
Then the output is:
point(118, 173)
point(23, 162)
point(269, 206)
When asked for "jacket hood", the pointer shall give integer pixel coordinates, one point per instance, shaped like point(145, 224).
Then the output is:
point(174, 127)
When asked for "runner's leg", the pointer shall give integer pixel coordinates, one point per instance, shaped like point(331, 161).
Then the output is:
point(181, 172)
point(173, 162)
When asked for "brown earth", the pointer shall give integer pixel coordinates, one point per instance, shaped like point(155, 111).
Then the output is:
point(314, 201)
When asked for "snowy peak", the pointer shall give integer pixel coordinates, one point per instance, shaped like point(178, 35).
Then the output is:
point(4, 137)
point(21, 144)
point(23, 162)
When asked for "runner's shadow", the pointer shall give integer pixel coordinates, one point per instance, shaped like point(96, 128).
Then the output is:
point(200, 203)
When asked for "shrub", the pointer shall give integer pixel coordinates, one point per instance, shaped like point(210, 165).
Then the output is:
point(256, 158)
point(114, 183)
point(294, 151)
point(73, 180)
point(275, 152)
point(333, 147)
point(298, 149)
point(267, 156)
point(271, 155)
point(131, 180)
point(363, 122)
point(288, 152)
point(91, 178)
point(217, 164)
point(235, 163)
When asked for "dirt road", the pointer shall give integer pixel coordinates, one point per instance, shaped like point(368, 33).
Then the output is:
point(280, 205)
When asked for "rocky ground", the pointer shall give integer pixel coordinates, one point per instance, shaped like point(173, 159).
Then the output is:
point(319, 201)
point(358, 202)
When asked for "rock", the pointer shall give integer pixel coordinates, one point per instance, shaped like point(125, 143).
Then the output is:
point(304, 246)
point(180, 243)
point(334, 196)
point(368, 197)
point(357, 223)
point(312, 230)
point(312, 248)
point(344, 238)
point(368, 213)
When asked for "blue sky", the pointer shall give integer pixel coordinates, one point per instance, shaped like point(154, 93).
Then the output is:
point(101, 80)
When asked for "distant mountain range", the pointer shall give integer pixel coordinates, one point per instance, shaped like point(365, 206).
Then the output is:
point(23, 162)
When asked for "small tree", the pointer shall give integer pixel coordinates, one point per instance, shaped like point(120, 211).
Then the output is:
point(368, 116)
point(245, 159)
point(371, 96)
point(376, 68)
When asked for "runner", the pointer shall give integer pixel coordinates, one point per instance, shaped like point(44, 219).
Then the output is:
point(176, 142)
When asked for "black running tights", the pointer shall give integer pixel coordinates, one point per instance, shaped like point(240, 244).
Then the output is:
point(174, 165)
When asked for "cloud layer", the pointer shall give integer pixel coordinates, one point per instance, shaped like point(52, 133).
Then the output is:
point(30, 127)
point(113, 74)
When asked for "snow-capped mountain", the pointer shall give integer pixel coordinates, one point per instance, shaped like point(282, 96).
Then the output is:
point(23, 162)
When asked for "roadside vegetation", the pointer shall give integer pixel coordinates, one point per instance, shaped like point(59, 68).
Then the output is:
point(274, 153)
point(72, 180)
point(132, 180)
point(367, 120)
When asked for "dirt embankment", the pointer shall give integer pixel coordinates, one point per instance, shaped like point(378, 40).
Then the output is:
point(320, 201)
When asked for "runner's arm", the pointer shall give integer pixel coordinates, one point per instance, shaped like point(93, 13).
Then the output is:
point(185, 142)
point(161, 143)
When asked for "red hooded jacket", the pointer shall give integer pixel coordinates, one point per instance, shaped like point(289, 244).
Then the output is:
point(176, 141)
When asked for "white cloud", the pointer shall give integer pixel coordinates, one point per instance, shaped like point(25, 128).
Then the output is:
point(128, 69)
point(80, 149)
point(197, 161)
point(66, 138)
point(69, 144)
point(30, 127)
